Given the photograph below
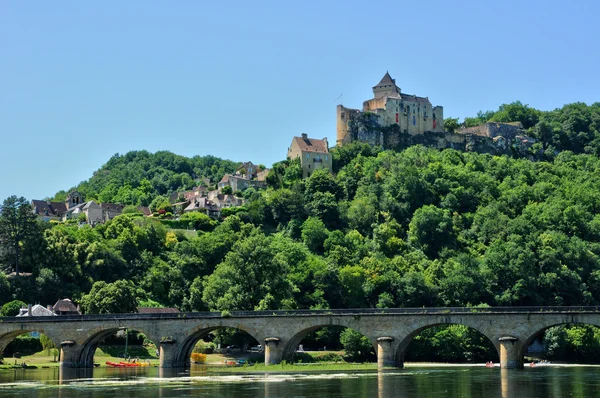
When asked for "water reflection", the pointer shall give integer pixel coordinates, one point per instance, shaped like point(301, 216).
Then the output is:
point(410, 382)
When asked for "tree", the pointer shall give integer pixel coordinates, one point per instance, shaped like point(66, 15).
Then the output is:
point(253, 276)
point(110, 298)
point(356, 346)
point(18, 224)
point(314, 234)
point(12, 308)
point(430, 229)
point(227, 190)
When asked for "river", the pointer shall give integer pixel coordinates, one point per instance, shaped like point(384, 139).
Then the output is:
point(446, 381)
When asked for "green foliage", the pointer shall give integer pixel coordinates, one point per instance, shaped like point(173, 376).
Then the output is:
point(574, 127)
point(12, 308)
point(138, 177)
point(227, 190)
point(573, 343)
point(18, 227)
point(415, 228)
point(357, 347)
point(110, 298)
point(451, 343)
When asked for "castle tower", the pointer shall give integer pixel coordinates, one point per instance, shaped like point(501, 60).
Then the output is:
point(387, 86)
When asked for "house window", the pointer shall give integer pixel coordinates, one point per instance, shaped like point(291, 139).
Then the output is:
point(307, 156)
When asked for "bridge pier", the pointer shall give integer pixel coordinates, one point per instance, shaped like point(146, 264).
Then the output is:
point(386, 353)
point(169, 352)
point(70, 354)
point(510, 353)
point(273, 351)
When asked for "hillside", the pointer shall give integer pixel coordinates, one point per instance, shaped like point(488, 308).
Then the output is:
point(574, 127)
point(414, 228)
point(137, 177)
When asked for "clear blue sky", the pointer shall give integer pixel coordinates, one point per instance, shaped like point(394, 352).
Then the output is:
point(81, 81)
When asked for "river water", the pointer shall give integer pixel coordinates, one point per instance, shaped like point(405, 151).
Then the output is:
point(447, 381)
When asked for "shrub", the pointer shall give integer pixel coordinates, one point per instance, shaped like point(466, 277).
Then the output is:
point(203, 347)
point(198, 358)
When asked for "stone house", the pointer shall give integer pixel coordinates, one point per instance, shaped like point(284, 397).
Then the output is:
point(48, 211)
point(204, 205)
point(91, 209)
point(247, 175)
point(313, 153)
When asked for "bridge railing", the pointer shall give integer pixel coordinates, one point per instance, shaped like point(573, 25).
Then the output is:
point(284, 313)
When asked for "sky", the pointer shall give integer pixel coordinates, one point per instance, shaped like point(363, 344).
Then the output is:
point(82, 81)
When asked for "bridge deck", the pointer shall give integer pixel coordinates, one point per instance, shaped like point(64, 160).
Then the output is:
point(304, 313)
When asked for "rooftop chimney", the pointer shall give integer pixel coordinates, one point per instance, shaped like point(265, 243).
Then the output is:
point(304, 136)
point(29, 308)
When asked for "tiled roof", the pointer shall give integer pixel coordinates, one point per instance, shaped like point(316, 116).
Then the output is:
point(54, 208)
point(386, 80)
point(414, 98)
point(37, 310)
point(311, 145)
point(65, 305)
point(225, 178)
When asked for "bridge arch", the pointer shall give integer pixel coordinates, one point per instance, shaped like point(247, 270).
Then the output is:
point(539, 330)
point(7, 337)
point(404, 341)
point(189, 342)
point(89, 346)
point(292, 343)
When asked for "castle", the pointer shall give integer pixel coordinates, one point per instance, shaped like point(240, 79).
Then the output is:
point(388, 107)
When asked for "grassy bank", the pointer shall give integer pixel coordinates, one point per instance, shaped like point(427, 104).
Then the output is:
point(102, 355)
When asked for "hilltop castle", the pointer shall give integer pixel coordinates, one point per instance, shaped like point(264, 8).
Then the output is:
point(389, 107)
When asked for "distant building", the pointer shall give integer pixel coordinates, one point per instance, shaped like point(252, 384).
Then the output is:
point(313, 153)
point(74, 206)
point(65, 307)
point(389, 106)
point(91, 210)
point(36, 310)
point(247, 175)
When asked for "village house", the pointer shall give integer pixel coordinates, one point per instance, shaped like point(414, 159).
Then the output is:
point(247, 175)
point(36, 310)
point(61, 307)
point(203, 204)
point(313, 153)
point(74, 206)
point(65, 307)
point(213, 203)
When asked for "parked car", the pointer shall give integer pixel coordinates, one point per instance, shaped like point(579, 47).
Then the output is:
point(256, 348)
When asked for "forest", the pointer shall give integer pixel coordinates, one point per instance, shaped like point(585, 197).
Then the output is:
point(415, 228)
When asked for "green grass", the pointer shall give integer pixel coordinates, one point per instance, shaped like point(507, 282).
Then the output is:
point(102, 355)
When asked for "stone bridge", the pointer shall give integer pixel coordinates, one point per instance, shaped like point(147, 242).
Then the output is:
point(510, 329)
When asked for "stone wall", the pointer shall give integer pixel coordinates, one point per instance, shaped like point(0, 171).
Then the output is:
point(493, 138)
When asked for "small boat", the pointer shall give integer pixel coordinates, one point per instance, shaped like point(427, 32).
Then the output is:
point(114, 364)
